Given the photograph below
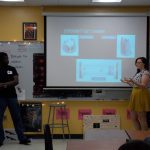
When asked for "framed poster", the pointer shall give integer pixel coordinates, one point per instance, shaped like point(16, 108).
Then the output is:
point(31, 114)
point(29, 31)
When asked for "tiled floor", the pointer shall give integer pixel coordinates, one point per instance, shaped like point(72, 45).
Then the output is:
point(36, 144)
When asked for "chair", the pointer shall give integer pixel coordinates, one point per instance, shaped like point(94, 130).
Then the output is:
point(64, 120)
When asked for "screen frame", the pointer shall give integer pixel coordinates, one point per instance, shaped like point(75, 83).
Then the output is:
point(88, 15)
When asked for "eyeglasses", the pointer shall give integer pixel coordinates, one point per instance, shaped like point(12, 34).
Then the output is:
point(139, 63)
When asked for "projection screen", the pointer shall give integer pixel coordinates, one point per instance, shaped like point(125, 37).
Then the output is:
point(93, 51)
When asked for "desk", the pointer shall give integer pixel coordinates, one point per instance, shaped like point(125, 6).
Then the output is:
point(99, 139)
point(107, 143)
point(140, 135)
point(95, 144)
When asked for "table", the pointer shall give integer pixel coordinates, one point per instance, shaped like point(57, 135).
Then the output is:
point(95, 144)
point(107, 143)
point(99, 139)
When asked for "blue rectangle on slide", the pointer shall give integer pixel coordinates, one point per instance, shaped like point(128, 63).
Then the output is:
point(98, 70)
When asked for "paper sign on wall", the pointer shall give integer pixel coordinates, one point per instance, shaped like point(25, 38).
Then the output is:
point(109, 111)
point(62, 113)
point(82, 112)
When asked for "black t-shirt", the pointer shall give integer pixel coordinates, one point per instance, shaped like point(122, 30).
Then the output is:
point(7, 74)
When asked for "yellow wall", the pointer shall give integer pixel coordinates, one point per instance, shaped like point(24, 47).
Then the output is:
point(11, 19)
point(76, 126)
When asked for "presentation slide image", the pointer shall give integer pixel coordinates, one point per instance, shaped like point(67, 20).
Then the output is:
point(95, 70)
point(125, 46)
point(69, 45)
point(93, 51)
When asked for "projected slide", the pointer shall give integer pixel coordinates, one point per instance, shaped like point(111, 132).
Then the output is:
point(126, 46)
point(93, 51)
point(69, 45)
point(98, 70)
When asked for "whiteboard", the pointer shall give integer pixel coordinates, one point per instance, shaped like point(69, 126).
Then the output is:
point(21, 57)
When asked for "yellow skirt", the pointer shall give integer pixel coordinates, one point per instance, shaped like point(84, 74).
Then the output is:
point(140, 100)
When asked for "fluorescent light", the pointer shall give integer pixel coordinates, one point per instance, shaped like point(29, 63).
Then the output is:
point(12, 0)
point(106, 1)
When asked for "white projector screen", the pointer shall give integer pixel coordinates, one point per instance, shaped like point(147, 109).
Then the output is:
point(93, 51)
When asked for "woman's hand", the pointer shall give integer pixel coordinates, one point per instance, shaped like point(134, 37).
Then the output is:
point(127, 80)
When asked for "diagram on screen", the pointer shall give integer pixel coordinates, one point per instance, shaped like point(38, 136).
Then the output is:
point(126, 46)
point(93, 70)
point(69, 45)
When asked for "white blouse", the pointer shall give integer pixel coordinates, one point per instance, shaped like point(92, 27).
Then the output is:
point(138, 77)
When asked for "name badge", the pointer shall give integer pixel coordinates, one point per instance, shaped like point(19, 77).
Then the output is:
point(9, 72)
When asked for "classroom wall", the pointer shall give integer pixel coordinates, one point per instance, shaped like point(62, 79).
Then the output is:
point(12, 19)
point(76, 125)
point(11, 29)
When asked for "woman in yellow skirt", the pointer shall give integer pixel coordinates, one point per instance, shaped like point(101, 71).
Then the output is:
point(140, 97)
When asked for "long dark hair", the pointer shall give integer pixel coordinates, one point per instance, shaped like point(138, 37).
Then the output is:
point(144, 61)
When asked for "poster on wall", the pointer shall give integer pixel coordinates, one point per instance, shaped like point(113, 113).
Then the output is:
point(31, 114)
point(29, 31)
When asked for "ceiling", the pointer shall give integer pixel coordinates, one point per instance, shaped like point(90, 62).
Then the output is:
point(75, 3)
